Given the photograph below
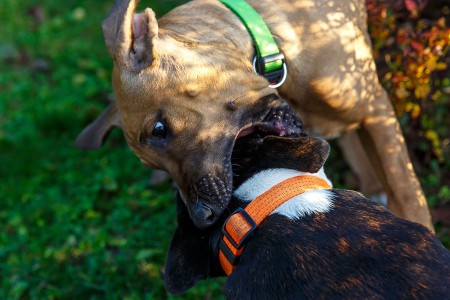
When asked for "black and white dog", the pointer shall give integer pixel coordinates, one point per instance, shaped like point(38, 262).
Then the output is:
point(322, 244)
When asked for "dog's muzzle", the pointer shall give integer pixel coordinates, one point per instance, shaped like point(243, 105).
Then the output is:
point(214, 194)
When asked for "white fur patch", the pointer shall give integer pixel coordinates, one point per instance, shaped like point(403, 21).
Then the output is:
point(318, 201)
point(380, 199)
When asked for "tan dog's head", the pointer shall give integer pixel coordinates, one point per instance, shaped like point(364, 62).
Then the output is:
point(182, 104)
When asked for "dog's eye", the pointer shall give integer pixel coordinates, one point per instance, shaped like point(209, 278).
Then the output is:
point(157, 134)
point(160, 130)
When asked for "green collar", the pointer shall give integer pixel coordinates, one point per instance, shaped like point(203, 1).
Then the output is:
point(269, 61)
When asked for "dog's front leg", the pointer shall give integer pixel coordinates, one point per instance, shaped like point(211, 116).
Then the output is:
point(383, 140)
point(356, 156)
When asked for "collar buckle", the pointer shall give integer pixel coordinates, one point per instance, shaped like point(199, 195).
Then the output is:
point(241, 224)
point(232, 236)
point(275, 77)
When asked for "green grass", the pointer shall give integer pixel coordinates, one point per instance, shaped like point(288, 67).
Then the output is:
point(74, 224)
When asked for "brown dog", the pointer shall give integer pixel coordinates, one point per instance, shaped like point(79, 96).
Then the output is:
point(186, 90)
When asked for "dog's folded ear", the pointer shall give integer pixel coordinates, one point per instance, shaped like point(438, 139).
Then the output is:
point(93, 136)
point(129, 35)
point(306, 154)
point(188, 255)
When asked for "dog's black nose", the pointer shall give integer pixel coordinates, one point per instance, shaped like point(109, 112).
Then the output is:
point(202, 215)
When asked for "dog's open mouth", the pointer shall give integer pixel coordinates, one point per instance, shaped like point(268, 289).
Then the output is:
point(280, 122)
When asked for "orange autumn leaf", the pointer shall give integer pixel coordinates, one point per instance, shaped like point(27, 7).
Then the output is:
point(422, 91)
point(418, 46)
point(440, 66)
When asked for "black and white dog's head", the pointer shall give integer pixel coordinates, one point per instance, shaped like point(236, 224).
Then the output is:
point(317, 244)
point(193, 253)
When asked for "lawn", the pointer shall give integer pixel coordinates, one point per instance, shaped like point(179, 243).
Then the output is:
point(86, 225)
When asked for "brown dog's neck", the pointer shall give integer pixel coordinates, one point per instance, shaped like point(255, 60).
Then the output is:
point(187, 25)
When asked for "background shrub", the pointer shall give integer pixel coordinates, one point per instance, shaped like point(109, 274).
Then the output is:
point(411, 41)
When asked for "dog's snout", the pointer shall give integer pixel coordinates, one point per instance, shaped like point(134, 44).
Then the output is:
point(202, 215)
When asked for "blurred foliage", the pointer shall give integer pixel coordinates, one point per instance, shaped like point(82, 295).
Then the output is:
point(86, 225)
point(411, 40)
point(412, 60)
point(78, 225)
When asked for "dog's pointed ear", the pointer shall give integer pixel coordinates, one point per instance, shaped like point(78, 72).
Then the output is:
point(188, 255)
point(129, 36)
point(93, 136)
point(306, 154)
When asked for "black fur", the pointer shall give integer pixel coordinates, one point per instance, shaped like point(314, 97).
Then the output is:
point(357, 250)
point(306, 154)
point(189, 258)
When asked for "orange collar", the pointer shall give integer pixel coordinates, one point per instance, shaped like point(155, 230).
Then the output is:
point(242, 222)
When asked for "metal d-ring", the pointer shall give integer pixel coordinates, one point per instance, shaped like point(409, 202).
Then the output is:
point(278, 84)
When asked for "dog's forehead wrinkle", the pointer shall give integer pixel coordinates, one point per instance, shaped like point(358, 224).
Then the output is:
point(188, 57)
point(169, 46)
